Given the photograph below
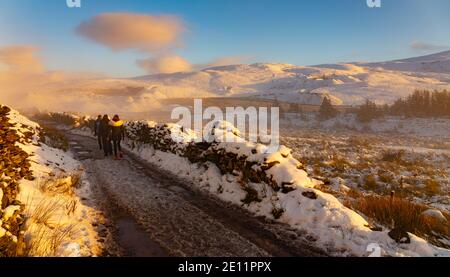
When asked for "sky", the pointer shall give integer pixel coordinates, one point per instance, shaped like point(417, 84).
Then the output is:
point(189, 34)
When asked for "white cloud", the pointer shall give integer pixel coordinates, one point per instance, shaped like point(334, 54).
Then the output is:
point(230, 60)
point(124, 31)
point(424, 46)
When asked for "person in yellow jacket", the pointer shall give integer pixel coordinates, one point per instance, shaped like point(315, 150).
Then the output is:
point(117, 135)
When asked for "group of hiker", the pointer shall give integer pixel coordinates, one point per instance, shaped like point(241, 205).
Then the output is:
point(110, 133)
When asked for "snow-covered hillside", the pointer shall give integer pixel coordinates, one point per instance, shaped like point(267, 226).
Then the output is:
point(435, 63)
point(347, 83)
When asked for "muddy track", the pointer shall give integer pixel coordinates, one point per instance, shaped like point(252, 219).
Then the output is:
point(154, 213)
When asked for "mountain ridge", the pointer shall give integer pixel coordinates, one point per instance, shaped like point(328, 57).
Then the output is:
point(343, 83)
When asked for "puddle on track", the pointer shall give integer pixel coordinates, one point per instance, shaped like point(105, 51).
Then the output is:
point(134, 241)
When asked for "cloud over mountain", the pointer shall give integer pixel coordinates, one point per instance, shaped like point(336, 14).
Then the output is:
point(424, 46)
point(158, 36)
point(26, 83)
point(174, 63)
point(124, 31)
point(223, 61)
point(165, 64)
point(20, 58)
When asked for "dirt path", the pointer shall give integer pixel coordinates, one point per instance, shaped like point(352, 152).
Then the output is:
point(156, 214)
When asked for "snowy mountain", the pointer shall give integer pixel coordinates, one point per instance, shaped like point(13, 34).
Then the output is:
point(436, 63)
point(346, 83)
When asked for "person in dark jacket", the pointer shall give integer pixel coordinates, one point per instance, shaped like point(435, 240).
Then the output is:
point(97, 131)
point(105, 134)
point(117, 135)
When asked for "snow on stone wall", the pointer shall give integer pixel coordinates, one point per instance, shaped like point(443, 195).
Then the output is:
point(14, 166)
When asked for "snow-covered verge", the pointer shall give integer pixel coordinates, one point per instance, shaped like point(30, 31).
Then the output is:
point(273, 185)
point(420, 127)
point(52, 220)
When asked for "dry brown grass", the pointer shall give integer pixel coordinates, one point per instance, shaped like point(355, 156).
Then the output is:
point(46, 229)
point(61, 184)
point(46, 242)
point(402, 213)
point(432, 187)
point(44, 211)
point(60, 236)
point(339, 163)
point(76, 179)
point(354, 193)
point(54, 186)
point(370, 183)
point(45, 233)
point(385, 177)
point(361, 142)
point(71, 207)
point(362, 165)
point(317, 170)
point(328, 189)
point(393, 156)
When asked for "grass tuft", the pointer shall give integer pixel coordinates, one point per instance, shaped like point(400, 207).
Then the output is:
point(395, 212)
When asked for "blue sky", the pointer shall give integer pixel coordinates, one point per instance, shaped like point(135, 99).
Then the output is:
point(291, 31)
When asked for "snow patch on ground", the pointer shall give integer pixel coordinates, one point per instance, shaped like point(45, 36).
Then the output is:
point(68, 213)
